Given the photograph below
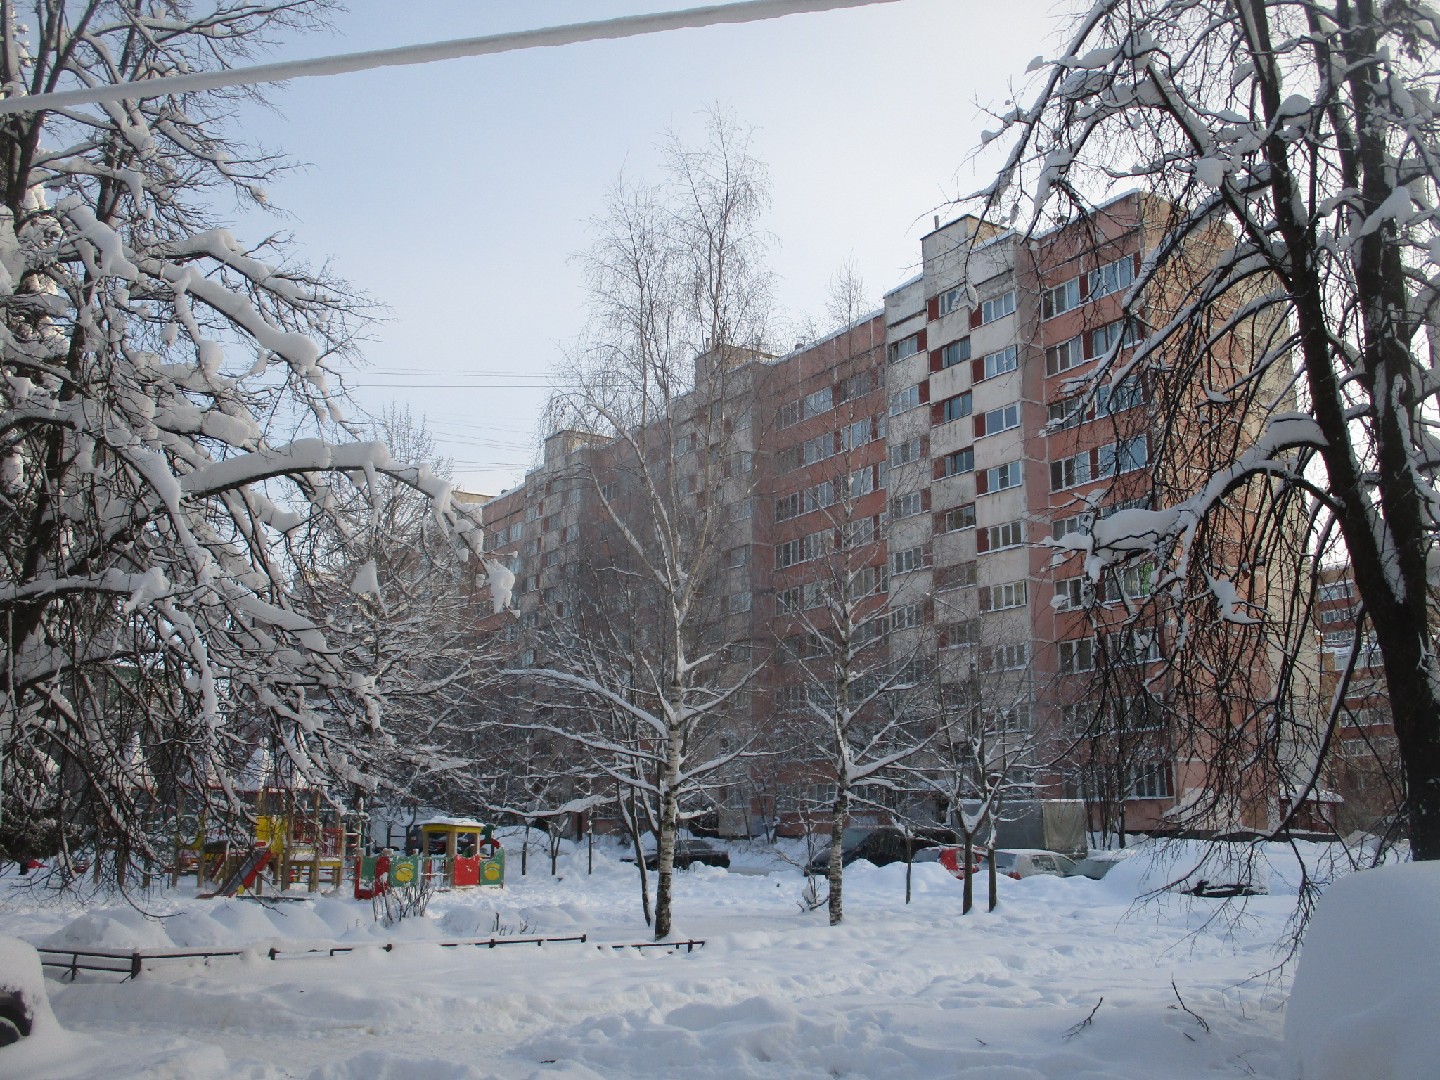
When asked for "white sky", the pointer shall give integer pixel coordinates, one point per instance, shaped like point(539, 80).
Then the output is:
point(456, 193)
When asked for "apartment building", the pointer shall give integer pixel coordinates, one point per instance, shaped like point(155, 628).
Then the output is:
point(937, 454)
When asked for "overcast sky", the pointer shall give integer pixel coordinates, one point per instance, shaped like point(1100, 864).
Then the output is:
point(457, 193)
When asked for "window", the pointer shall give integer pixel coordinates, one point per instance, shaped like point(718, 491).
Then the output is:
point(1004, 657)
point(965, 632)
point(787, 415)
point(904, 348)
point(1069, 526)
point(1070, 471)
point(818, 402)
point(906, 506)
point(1124, 456)
point(904, 453)
point(738, 556)
point(950, 300)
point(738, 602)
point(1136, 582)
point(869, 581)
point(1112, 277)
point(1012, 594)
point(1066, 414)
point(902, 562)
point(1117, 397)
point(819, 448)
point(610, 492)
point(1076, 655)
point(961, 461)
point(1149, 782)
point(997, 363)
point(862, 481)
point(1134, 646)
point(571, 534)
point(855, 435)
point(860, 533)
point(1001, 419)
point(1122, 332)
point(1009, 475)
point(787, 507)
point(956, 407)
point(1337, 590)
point(1060, 298)
point(998, 307)
point(1339, 640)
point(956, 576)
point(1071, 594)
point(957, 352)
point(1011, 534)
point(789, 697)
point(1338, 614)
point(819, 497)
point(572, 497)
point(904, 400)
point(857, 386)
point(532, 547)
point(960, 517)
point(907, 617)
point(515, 531)
point(1063, 357)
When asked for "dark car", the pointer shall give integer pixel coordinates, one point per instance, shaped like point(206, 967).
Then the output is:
point(879, 846)
point(687, 852)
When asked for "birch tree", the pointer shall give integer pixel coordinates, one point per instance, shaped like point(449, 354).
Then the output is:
point(679, 299)
point(170, 433)
point(1297, 143)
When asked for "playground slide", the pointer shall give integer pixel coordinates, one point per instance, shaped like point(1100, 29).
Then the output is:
point(246, 873)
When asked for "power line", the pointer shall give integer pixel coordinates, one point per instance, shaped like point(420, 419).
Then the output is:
point(405, 56)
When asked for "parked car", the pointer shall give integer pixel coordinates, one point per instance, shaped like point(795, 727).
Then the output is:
point(881, 846)
point(952, 857)
point(688, 851)
point(1099, 863)
point(1020, 863)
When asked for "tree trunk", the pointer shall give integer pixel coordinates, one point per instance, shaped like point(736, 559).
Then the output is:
point(967, 896)
point(665, 842)
point(835, 872)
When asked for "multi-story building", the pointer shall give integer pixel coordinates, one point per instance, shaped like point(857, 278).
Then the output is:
point(940, 453)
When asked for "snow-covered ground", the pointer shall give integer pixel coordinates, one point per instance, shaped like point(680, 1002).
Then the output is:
point(897, 991)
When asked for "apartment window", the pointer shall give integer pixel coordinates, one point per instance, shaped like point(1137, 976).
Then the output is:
point(1338, 614)
point(957, 634)
point(902, 562)
point(739, 602)
point(956, 576)
point(904, 348)
point(572, 497)
point(1071, 594)
point(1069, 526)
point(1136, 582)
point(904, 400)
point(787, 507)
point(532, 547)
point(1012, 594)
point(1000, 419)
point(906, 506)
point(787, 415)
point(819, 448)
point(515, 531)
point(1112, 277)
point(1066, 414)
point(950, 300)
point(571, 534)
point(1339, 640)
point(1124, 456)
point(818, 402)
point(869, 581)
point(860, 533)
point(856, 386)
point(1134, 646)
point(957, 518)
point(862, 481)
point(1070, 471)
point(1149, 782)
point(961, 461)
point(956, 407)
point(819, 497)
point(1122, 333)
point(790, 601)
point(1011, 657)
point(738, 556)
point(530, 584)
point(787, 554)
point(1063, 357)
point(1337, 590)
point(855, 435)
point(907, 617)
point(957, 352)
point(904, 453)
point(997, 307)
point(1118, 397)
point(532, 512)
point(997, 363)
point(1076, 655)
point(1009, 475)
point(1060, 298)
point(610, 492)
point(1011, 534)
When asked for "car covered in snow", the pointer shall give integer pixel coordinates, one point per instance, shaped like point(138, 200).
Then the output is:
point(880, 846)
point(1020, 863)
point(688, 851)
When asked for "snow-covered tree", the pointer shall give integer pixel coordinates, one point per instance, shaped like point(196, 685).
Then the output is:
point(1296, 145)
point(679, 300)
point(171, 436)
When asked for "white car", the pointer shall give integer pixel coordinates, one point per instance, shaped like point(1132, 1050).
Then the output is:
point(1020, 863)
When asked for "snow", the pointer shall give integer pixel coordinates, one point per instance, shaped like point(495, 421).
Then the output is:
point(895, 991)
point(1368, 980)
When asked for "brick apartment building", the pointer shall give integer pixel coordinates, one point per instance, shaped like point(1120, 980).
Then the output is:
point(938, 444)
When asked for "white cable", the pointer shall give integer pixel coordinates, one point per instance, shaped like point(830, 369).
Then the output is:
point(545, 37)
